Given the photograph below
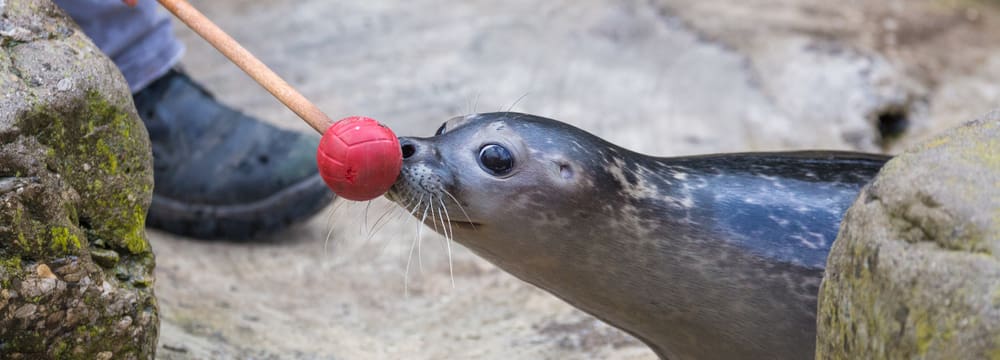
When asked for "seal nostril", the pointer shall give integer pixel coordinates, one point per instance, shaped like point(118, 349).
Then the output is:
point(408, 150)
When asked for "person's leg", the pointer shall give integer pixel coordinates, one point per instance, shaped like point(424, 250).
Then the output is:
point(140, 40)
point(217, 172)
point(220, 173)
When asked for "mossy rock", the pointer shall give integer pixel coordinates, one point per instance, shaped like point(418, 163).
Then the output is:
point(915, 273)
point(76, 269)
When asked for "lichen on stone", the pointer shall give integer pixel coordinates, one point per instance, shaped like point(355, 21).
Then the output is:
point(75, 264)
point(913, 271)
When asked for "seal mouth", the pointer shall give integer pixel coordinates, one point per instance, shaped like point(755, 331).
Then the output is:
point(437, 214)
point(453, 223)
point(465, 225)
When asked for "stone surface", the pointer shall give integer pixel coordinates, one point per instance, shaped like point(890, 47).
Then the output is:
point(914, 272)
point(667, 77)
point(75, 179)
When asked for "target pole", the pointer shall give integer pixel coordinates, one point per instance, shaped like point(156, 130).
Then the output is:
point(236, 53)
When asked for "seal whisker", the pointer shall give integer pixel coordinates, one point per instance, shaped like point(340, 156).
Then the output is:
point(413, 245)
point(413, 210)
point(406, 272)
point(386, 210)
point(434, 220)
point(409, 208)
point(451, 231)
point(467, 218)
point(441, 218)
point(420, 258)
point(448, 237)
point(364, 218)
point(441, 214)
point(331, 212)
point(516, 102)
point(470, 104)
point(380, 223)
point(385, 245)
point(326, 242)
point(475, 105)
point(329, 224)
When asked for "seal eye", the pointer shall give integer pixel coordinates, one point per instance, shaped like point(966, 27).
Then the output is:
point(496, 159)
point(440, 130)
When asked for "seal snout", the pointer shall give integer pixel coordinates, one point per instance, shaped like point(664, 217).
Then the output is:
point(421, 174)
point(423, 186)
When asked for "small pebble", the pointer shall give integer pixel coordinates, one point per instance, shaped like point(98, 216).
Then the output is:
point(65, 84)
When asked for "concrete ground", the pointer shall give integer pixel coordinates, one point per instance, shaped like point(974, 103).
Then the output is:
point(665, 77)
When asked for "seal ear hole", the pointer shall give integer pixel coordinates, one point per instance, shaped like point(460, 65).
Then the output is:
point(565, 171)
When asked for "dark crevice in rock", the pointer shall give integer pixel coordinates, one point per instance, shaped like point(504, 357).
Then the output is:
point(870, 196)
point(16, 71)
point(901, 315)
point(9, 135)
point(892, 122)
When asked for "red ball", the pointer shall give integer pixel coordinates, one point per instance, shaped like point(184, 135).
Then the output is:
point(359, 158)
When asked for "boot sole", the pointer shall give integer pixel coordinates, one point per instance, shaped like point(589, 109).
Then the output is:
point(241, 221)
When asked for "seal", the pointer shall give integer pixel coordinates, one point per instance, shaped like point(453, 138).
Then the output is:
point(700, 257)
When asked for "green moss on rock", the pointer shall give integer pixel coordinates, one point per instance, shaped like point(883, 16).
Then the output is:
point(62, 239)
point(102, 166)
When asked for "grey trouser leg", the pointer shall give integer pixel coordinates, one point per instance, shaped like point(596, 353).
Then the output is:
point(139, 40)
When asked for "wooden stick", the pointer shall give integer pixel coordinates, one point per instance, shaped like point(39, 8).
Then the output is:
point(250, 64)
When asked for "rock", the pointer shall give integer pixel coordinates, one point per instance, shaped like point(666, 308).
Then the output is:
point(914, 272)
point(75, 180)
